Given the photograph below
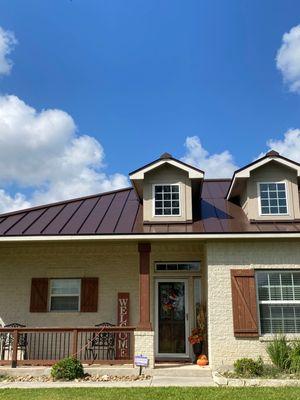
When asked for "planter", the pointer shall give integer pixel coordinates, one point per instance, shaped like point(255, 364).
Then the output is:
point(197, 349)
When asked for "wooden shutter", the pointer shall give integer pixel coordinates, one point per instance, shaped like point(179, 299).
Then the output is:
point(39, 295)
point(89, 295)
point(244, 307)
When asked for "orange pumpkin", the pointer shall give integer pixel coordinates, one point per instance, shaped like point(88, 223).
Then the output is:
point(202, 360)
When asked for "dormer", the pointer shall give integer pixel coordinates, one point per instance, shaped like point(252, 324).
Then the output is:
point(168, 189)
point(267, 189)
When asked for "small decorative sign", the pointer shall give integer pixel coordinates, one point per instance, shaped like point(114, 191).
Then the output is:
point(141, 361)
point(123, 338)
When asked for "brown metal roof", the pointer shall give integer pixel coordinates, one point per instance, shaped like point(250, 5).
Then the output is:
point(120, 212)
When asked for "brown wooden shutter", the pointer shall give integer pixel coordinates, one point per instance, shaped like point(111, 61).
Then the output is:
point(245, 322)
point(89, 295)
point(39, 295)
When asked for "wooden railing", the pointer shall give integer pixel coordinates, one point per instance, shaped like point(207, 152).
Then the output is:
point(46, 346)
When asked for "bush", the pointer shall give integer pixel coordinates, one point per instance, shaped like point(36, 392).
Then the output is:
point(279, 353)
point(67, 369)
point(294, 357)
point(247, 367)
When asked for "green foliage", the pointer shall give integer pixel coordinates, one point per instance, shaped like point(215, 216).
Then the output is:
point(67, 369)
point(279, 353)
point(294, 357)
point(247, 367)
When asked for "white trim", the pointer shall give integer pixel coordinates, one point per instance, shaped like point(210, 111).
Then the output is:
point(154, 236)
point(187, 319)
point(193, 174)
point(245, 173)
point(259, 199)
point(164, 216)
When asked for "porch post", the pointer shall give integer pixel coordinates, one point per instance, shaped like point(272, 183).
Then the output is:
point(144, 251)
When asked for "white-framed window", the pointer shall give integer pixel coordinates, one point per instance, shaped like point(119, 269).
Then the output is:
point(166, 199)
point(177, 266)
point(65, 294)
point(273, 198)
point(279, 301)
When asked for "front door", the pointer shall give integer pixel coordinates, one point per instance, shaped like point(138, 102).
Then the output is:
point(171, 318)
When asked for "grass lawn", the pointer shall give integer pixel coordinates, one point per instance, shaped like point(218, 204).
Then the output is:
point(153, 394)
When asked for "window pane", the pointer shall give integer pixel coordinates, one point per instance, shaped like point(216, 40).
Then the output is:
point(183, 266)
point(161, 267)
point(167, 200)
point(61, 303)
point(273, 195)
point(274, 279)
point(296, 278)
point(275, 292)
point(65, 286)
point(286, 278)
point(279, 317)
point(263, 187)
point(171, 267)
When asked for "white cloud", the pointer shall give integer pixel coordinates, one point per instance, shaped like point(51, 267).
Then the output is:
point(289, 146)
point(288, 59)
point(42, 151)
point(7, 44)
point(215, 165)
point(9, 203)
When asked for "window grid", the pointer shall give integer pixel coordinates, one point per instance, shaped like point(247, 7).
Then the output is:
point(279, 301)
point(182, 266)
point(273, 199)
point(166, 200)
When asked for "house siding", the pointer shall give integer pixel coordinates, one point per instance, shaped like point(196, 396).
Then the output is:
point(116, 266)
point(224, 348)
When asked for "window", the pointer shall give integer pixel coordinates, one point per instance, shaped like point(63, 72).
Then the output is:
point(65, 294)
point(173, 266)
point(273, 198)
point(166, 198)
point(279, 301)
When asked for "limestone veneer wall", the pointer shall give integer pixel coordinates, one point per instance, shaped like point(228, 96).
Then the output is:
point(224, 348)
point(116, 266)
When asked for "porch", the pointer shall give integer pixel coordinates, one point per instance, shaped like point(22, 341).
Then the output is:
point(123, 284)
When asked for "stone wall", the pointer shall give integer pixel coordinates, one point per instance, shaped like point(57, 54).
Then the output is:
point(224, 348)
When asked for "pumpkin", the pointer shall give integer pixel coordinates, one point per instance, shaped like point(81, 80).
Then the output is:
point(202, 360)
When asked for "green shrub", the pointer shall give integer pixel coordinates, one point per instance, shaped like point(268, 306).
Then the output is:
point(294, 357)
point(67, 369)
point(279, 353)
point(247, 367)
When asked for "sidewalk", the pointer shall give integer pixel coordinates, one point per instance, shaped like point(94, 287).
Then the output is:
point(155, 381)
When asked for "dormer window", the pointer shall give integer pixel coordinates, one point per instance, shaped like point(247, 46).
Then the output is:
point(273, 198)
point(166, 200)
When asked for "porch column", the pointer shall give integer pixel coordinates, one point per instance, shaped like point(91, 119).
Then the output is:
point(144, 251)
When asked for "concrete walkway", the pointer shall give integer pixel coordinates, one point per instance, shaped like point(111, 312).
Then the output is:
point(155, 381)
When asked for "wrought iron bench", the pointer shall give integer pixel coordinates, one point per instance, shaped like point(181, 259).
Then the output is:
point(101, 346)
point(6, 342)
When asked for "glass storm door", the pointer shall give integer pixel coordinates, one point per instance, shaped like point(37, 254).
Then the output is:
point(171, 321)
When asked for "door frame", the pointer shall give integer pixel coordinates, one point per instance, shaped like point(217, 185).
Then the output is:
point(156, 328)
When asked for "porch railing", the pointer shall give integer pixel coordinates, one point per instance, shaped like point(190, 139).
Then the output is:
point(46, 346)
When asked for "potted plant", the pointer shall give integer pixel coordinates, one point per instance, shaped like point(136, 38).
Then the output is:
point(198, 334)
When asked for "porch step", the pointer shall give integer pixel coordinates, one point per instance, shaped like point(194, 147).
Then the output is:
point(181, 370)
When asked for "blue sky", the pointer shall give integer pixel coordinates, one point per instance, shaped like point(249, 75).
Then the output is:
point(141, 77)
